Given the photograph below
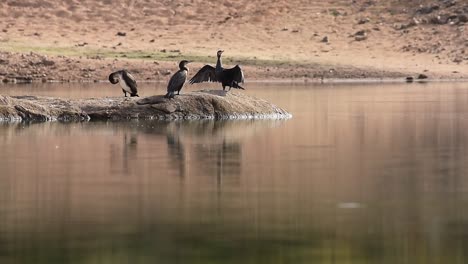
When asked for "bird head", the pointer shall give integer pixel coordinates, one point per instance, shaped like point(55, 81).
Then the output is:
point(219, 53)
point(183, 64)
point(113, 78)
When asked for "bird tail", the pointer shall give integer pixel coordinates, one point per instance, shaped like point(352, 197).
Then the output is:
point(237, 86)
point(169, 95)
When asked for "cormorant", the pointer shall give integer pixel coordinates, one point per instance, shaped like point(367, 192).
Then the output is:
point(227, 77)
point(126, 81)
point(177, 80)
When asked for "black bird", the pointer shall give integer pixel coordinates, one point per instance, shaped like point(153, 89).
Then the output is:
point(227, 77)
point(177, 80)
point(126, 81)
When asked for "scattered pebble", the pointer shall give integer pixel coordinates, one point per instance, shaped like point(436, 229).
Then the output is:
point(422, 76)
point(363, 21)
point(360, 35)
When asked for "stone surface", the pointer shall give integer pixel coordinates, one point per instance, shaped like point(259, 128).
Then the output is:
point(206, 104)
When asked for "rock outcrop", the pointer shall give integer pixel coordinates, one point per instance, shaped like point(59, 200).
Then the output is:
point(212, 104)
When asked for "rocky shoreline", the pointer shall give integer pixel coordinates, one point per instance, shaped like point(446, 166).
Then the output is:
point(34, 67)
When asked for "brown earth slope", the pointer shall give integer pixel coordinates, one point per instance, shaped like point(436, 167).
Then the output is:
point(85, 40)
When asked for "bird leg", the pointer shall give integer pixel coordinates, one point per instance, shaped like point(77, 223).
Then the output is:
point(169, 95)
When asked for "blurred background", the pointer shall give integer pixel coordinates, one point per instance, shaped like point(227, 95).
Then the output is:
point(271, 39)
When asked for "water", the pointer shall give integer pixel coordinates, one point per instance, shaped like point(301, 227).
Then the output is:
point(374, 173)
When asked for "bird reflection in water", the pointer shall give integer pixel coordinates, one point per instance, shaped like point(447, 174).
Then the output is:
point(129, 150)
point(216, 155)
point(176, 152)
point(125, 154)
point(221, 159)
point(192, 148)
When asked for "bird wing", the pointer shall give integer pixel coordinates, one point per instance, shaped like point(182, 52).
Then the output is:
point(130, 80)
point(236, 73)
point(177, 81)
point(205, 74)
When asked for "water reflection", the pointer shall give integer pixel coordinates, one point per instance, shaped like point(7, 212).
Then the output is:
point(127, 155)
point(213, 148)
point(222, 159)
point(91, 182)
point(176, 153)
point(359, 175)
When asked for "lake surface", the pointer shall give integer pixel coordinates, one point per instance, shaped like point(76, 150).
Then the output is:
point(362, 173)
